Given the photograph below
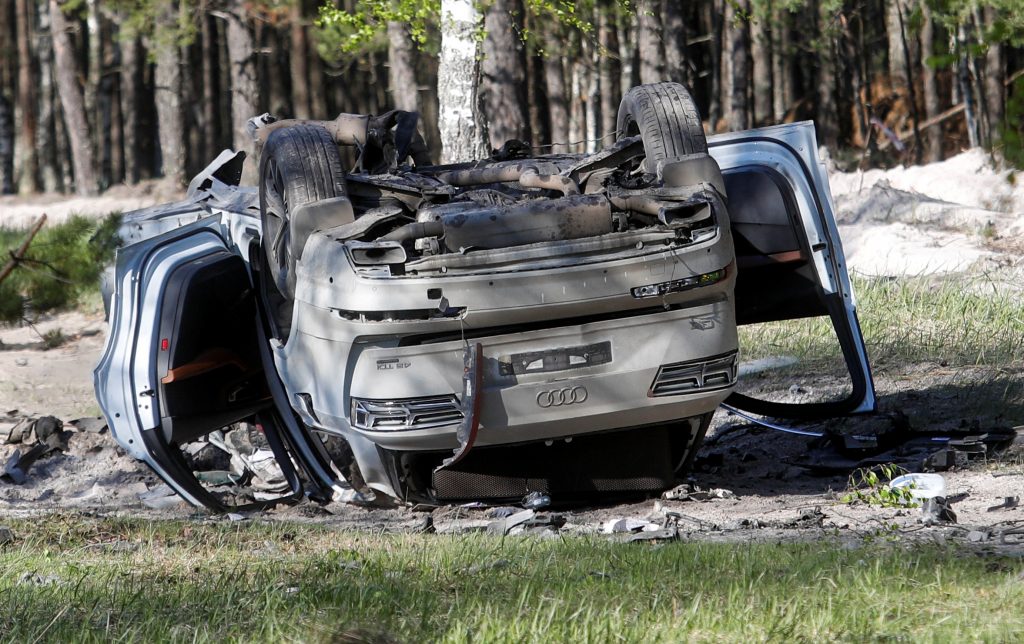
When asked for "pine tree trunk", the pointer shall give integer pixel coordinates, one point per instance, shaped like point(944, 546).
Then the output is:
point(592, 98)
point(894, 34)
point(49, 164)
point(461, 120)
point(503, 86)
point(8, 40)
point(628, 56)
point(995, 92)
point(94, 73)
point(782, 65)
point(674, 30)
point(558, 104)
point(6, 143)
point(299, 63)
point(116, 130)
point(130, 76)
point(607, 74)
point(244, 85)
point(739, 35)
point(211, 86)
point(964, 85)
point(29, 171)
point(402, 69)
point(856, 87)
point(652, 51)
point(827, 117)
point(317, 96)
point(86, 182)
point(167, 96)
point(713, 20)
point(932, 106)
point(577, 116)
point(763, 84)
point(191, 95)
point(536, 97)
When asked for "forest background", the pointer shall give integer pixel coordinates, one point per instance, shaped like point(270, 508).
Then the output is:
point(95, 93)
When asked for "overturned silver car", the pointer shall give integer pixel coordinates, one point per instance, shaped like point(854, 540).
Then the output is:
point(564, 324)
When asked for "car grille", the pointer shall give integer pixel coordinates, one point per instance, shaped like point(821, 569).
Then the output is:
point(695, 376)
point(405, 413)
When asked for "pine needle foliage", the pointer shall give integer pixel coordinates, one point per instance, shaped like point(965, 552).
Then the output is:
point(63, 263)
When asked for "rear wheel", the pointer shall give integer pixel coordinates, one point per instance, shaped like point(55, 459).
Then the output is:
point(667, 120)
point(299, 165)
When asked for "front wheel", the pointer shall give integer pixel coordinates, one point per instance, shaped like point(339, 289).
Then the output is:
point(300, 164)
point(667, 120)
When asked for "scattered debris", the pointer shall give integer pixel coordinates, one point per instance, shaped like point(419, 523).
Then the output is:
point(502, 511)
point(920, 486)
point(693, 492)
point(1008, 503)
point(13, 430)
point(18, 464)
point(813, 518)
point(661, 534)
point(92, 424)
point(426, 526)
point(161, 497)
point(536, 501)
point(937, 510)
point(35, 579)
point(612, 526)
point(503, 526)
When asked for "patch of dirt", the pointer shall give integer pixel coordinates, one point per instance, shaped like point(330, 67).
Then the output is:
point(41, 381)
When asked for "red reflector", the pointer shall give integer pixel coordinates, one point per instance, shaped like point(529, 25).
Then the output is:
point(164, 344)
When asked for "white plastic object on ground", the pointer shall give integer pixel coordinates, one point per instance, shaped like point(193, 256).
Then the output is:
point(922, 486)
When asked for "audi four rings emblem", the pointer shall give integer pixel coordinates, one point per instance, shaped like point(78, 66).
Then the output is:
point(560, 397)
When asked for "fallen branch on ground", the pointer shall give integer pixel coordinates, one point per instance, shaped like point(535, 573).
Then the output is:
point(19, 253)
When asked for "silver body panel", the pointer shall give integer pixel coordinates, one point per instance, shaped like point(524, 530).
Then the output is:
point(353, 336)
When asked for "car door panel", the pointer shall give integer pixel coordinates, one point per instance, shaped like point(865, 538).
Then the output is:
point(182, 359)
point(789, 254)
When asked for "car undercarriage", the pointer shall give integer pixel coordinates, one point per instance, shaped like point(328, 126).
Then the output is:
point(560, 323)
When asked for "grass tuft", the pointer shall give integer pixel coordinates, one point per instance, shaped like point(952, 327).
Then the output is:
point(109, 579)
point(959, 321)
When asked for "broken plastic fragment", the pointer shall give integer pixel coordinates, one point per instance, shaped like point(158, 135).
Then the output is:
point(472, 379)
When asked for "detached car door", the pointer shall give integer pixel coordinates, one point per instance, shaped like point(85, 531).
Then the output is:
point(183, 358)
point(789, 256)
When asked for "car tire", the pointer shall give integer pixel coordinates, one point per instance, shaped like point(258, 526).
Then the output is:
point(299, 164)
point(666, 118)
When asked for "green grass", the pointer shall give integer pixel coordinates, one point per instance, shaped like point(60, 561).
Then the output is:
point(273, 582)
point(960, 321)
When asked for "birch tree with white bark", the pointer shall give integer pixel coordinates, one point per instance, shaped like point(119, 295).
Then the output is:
point(462, 124)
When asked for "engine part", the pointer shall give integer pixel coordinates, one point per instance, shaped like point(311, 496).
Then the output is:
point(571, 217)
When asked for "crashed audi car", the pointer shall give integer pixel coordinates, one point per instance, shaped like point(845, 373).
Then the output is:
point(559, 323)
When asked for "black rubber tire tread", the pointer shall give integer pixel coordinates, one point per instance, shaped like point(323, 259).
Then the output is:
point(307, 165)
point(667, 119)
point(307, 159)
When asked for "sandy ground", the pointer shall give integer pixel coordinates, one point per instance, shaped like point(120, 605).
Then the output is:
point(20, 212)
point(908, 220)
